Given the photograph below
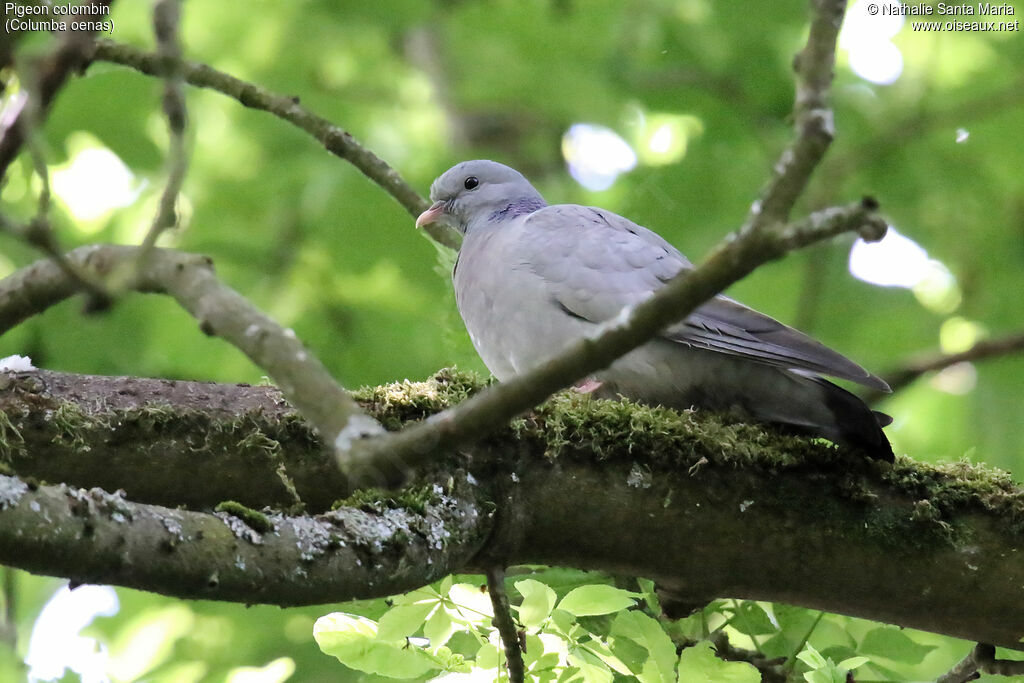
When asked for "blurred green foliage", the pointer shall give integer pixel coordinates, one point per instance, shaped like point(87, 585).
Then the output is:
point(425, 84)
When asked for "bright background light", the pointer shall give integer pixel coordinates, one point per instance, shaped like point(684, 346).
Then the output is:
point(94, 181)
point(868, 40)
point(55, 644)
point(596, 155)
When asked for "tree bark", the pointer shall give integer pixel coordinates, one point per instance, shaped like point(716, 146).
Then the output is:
point(704, 506)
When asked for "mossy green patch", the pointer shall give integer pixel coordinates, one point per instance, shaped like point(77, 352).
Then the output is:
point(579, 426)
point(11, 440)
point(257, 521)
point(571, 425)
point(412, 498)
point(400, 402)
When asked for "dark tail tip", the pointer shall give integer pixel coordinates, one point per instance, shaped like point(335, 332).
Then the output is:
point(856, 424)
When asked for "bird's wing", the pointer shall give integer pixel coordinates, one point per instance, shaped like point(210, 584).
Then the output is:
point(594, 263)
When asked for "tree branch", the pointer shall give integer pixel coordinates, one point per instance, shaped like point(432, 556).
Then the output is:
point(931, 547)
point(220, 310)
point(981, 658)
point(909, 372)
point(337, 141)
point(166, 17)
point(91, 536)
point(505, 624)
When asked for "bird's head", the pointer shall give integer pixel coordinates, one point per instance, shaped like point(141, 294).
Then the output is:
point(476, 192)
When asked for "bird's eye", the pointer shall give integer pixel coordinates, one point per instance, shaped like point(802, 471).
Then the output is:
point(471, 182)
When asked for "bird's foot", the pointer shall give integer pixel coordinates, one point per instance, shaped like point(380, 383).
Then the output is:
point(587, 386)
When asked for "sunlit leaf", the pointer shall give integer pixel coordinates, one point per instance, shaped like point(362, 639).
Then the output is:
point(403, 620)
point(353, 640)
point(596, 599)
point(538, 601)
point(699, 663)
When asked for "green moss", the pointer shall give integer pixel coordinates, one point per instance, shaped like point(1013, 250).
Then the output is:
point(70, 423)
point(256, 521)
point(11, 440)
point(960, 486)
point(412, 498)
point(255, 439)
point(571, 425)
point(400, 402)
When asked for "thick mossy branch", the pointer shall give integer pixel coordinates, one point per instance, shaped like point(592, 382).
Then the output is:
point(236, 554)
point(689, 499)
point(200, 443)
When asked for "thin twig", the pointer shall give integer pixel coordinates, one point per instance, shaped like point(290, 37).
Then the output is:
point(505, 624)
point(981, 659)
point(986, 349)
point(336, 140)
point(792, 659)
point(166, 17)
point(813, 119)
point(39, 234)
point(220, 310)
point(53, 70)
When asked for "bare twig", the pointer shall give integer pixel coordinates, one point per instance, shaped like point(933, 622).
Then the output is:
point(764, 236)
point(336, 140)
point(71, 55)
point(39, 234)
point(910, 371)
point(505, 624)
point(813, 119)
point(981, 659)
point(166, 16)
point(220, 311)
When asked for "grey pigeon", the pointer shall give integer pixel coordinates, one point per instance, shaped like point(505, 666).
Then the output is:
point(532, 278)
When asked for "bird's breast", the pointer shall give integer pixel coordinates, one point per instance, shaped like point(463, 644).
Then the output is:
point(508, 310)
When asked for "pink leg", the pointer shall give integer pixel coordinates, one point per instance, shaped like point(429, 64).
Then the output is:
point(587, 386)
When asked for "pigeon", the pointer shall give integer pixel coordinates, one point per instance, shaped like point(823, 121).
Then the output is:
point(532, 278)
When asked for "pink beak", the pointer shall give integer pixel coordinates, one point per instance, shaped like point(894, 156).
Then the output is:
point(431, 215)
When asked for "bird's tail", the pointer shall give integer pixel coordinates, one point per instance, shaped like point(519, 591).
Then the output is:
point(854, 423)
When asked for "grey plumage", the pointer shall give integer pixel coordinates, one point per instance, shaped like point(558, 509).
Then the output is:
point(531, 278)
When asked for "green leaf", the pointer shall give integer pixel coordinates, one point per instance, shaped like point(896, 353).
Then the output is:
point(590, 665)
point(853, 662)
point(596, 599)
point(699, 663)
point(602, 652)
point(751, 619)
point(538, 601)
point(812, 657)
point(353, 640)
point(570, 673)
point(630, 653)
point(439, 628)
point(818, 676)
point(487, 656)
point(642, 629)
point(894, 644)
point(403, 620)
point(426, 593)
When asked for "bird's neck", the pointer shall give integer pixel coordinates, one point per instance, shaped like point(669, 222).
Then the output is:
point(517, 207)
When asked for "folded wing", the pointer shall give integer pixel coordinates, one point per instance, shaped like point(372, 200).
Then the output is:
point(595, 263)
